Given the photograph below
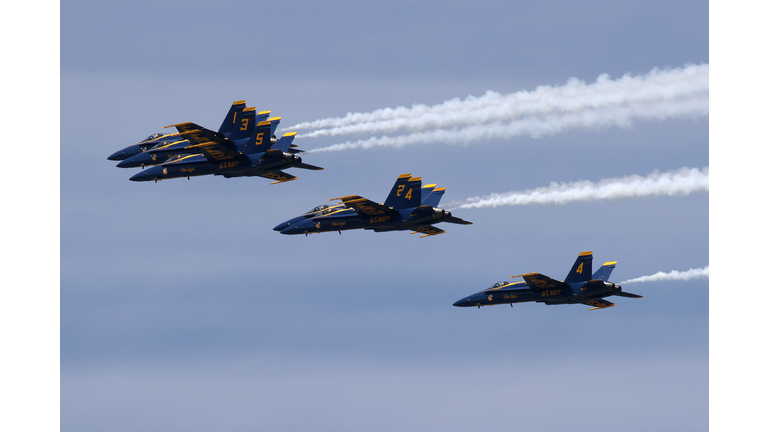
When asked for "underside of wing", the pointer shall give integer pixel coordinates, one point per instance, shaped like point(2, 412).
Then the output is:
point(427, 230)
point(538, 281)
point(365, 207)
point(598, 303)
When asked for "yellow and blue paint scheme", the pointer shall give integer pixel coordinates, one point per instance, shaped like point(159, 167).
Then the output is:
point(259, 156)
point(155, 140)
point(581, 286)
point(409, 206)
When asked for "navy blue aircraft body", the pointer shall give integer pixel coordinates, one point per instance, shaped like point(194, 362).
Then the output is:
point(580, 286)
point(408, 207)
point(155, 140)
point(238, 127)
point(258, 156)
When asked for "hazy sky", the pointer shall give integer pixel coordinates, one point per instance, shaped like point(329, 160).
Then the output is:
point(181, 309)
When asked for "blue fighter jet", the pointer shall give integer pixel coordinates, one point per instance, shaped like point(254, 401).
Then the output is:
point(160, 139)
point(238, 126)
point(408, 207)
point(580, 286)
point(221, 156)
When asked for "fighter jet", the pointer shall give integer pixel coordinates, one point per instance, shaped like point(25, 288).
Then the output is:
point(160, 139)
point(580, 286)
point(408, 207)
point(238, 126)
point(221, 156)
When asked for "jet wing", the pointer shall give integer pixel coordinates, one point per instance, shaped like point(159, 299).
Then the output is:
point(186, 127)
point(538, 281)
point(279, 176)
point(427, 230)
point(598, 303)
point(211, 144)
point(365, 207)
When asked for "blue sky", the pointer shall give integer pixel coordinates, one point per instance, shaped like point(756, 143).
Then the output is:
point(181, 309)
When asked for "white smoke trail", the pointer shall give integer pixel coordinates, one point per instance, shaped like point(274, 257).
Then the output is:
point(545, 111)
point(673, 275)
point(681, 182)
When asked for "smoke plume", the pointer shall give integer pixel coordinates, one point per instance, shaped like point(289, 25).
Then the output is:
point(673, 275)
point(658, 95)
point(683, 181)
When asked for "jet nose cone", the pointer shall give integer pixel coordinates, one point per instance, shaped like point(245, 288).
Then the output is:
point(146, 175)
point(298, 228)
point(282, 226)
point(118, 155)
point(124, 164)
point(462, 303)
point(292, 229)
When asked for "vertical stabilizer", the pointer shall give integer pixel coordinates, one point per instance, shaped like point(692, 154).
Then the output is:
point(604, 272)
point(234, 114)
point(409, 194)
point(260, 140)
point(433, 199)
point(284, 143)
point(396, 189)
point(581, 270)
point(244, 126)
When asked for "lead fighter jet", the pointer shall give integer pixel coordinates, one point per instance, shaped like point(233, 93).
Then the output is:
point(408, 207)
point(155, 140)
point(580, 286)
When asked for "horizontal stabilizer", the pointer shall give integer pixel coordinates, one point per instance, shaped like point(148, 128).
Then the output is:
point(279, 176)
point(598, 303)
point(308, 166)
point(626, 294)
point(427, 230)
point(455, 220)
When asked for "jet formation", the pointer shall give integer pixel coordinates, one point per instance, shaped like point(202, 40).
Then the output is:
point(408, 207)
point(244, 146)
point(580, 286)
